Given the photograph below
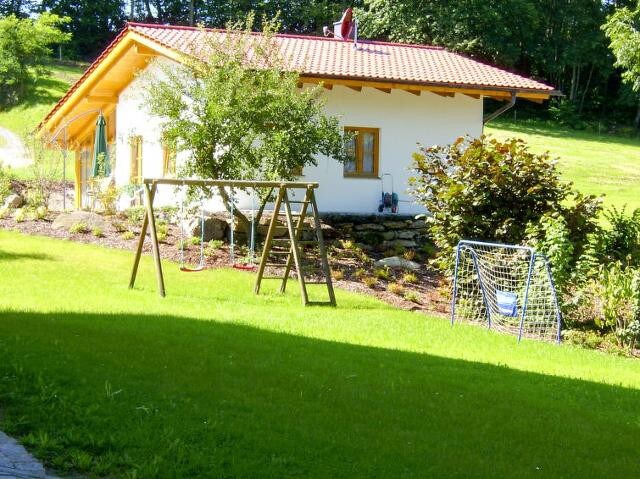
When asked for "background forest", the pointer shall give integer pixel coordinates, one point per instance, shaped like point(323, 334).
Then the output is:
point(561, 42)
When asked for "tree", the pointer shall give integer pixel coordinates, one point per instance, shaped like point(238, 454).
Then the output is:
point(623, 30)
point(93, 24)
point(24, 47)
point(239, 112)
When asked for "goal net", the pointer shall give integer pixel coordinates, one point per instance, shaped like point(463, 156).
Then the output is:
point(507, 288)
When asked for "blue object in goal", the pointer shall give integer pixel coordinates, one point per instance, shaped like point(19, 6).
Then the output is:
point(507, 303)
point(508, 288)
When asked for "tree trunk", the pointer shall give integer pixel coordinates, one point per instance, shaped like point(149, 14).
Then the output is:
point(192, 8)
point(586, 89)
point(636, 121)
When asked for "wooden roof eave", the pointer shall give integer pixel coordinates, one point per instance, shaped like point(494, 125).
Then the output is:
point(470, 90)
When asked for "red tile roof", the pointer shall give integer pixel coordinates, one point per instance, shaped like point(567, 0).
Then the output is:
point(373, 61)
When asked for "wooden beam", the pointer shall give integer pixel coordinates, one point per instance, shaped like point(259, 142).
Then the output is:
point(443, 93)
point(101, 99)
point(472, 95)
point(327, 86)
point(354, 87)
point(414, 92)
point(145, 51)
point(383, 90)
point(450, 90)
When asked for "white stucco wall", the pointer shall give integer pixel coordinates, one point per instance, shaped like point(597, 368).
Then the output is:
point(404, 121)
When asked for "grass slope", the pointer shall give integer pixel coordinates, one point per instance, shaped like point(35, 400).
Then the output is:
point(596, 164)
point(23, 118)
point(214, 381)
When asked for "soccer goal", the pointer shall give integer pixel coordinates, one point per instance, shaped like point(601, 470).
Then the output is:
point(508, 288)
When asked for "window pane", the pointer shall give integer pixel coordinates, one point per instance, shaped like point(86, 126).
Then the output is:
point(350, 150)
point(368, 144)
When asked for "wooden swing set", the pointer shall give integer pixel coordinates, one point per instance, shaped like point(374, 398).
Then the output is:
point(291, 246)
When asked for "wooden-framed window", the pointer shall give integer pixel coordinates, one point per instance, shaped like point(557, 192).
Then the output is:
point(168, 161)
point(135, 175)
point(362, 145)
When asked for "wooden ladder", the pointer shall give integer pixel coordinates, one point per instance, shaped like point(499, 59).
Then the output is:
point(293, 247)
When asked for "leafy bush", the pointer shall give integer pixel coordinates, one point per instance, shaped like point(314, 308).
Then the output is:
point(611, 300)
point(412, 296)
point(409, 278)
point(360, 273)
point(409, 254)
point(135, 215)
point(40, 213)
point(484, 189)
point(212, 247)
point(109, 199)
point(370, 281)
point(20, 215)
point(97, 232)
point(194, 240)
point(5, 183)
point(127, 235)
point(383, 273)
point(79, 227)
point(395, 288)
point(337, 274)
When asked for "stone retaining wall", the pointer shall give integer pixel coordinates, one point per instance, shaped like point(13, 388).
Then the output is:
point(378, 230)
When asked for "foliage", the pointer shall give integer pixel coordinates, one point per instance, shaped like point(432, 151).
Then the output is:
point(108, 198)
point(488, 190)
point(127, 235)
point(337, 274)
point(623, 30)
point(97, 232)
point(24, 46)
point(412, 296)
point(241, 115)
point(370, 281)
point(395, 288)
point(20, 215)
point(79, 227)
point(45, 172)
point(194, 240)
point(409, 278)
point(383, 273)
point(5, 182)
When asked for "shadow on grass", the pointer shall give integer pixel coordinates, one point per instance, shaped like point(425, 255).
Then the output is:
point(9, 256)
point(176, 397)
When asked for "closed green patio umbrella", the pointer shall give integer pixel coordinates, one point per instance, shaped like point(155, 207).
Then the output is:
point(101, 166)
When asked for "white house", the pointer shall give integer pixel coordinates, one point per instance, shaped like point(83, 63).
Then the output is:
point(394, 95)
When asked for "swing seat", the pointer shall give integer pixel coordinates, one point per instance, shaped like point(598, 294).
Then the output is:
point(186, 269)
point(507, 303)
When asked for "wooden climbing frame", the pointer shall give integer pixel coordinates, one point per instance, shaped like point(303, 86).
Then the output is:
point(292, 246)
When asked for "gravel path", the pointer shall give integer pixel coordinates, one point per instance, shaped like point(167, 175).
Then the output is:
point(12, 151)
point(16, 462)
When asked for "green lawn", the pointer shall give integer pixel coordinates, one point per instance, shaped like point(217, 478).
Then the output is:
point(214, 381)
point(23, 118)
point(595, 163)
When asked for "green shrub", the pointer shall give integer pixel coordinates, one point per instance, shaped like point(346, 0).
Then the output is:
point(109, 199)
point(20, 215)
point(4, 213)
point(79, 227)
point(412, 296)
point(409, 254)
point(97, 232)
point(409, 278)
point(395, 288)
point(127, 235)
point(485, 189)
point(611, 300)
point(40, 213)
point(119, 226)
point(360, 273)
point(337, 274)
point(194, 240)
point(135, 215)
point(382, 273)
point(5, 183)
point(212, 247)
point(370, 281)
